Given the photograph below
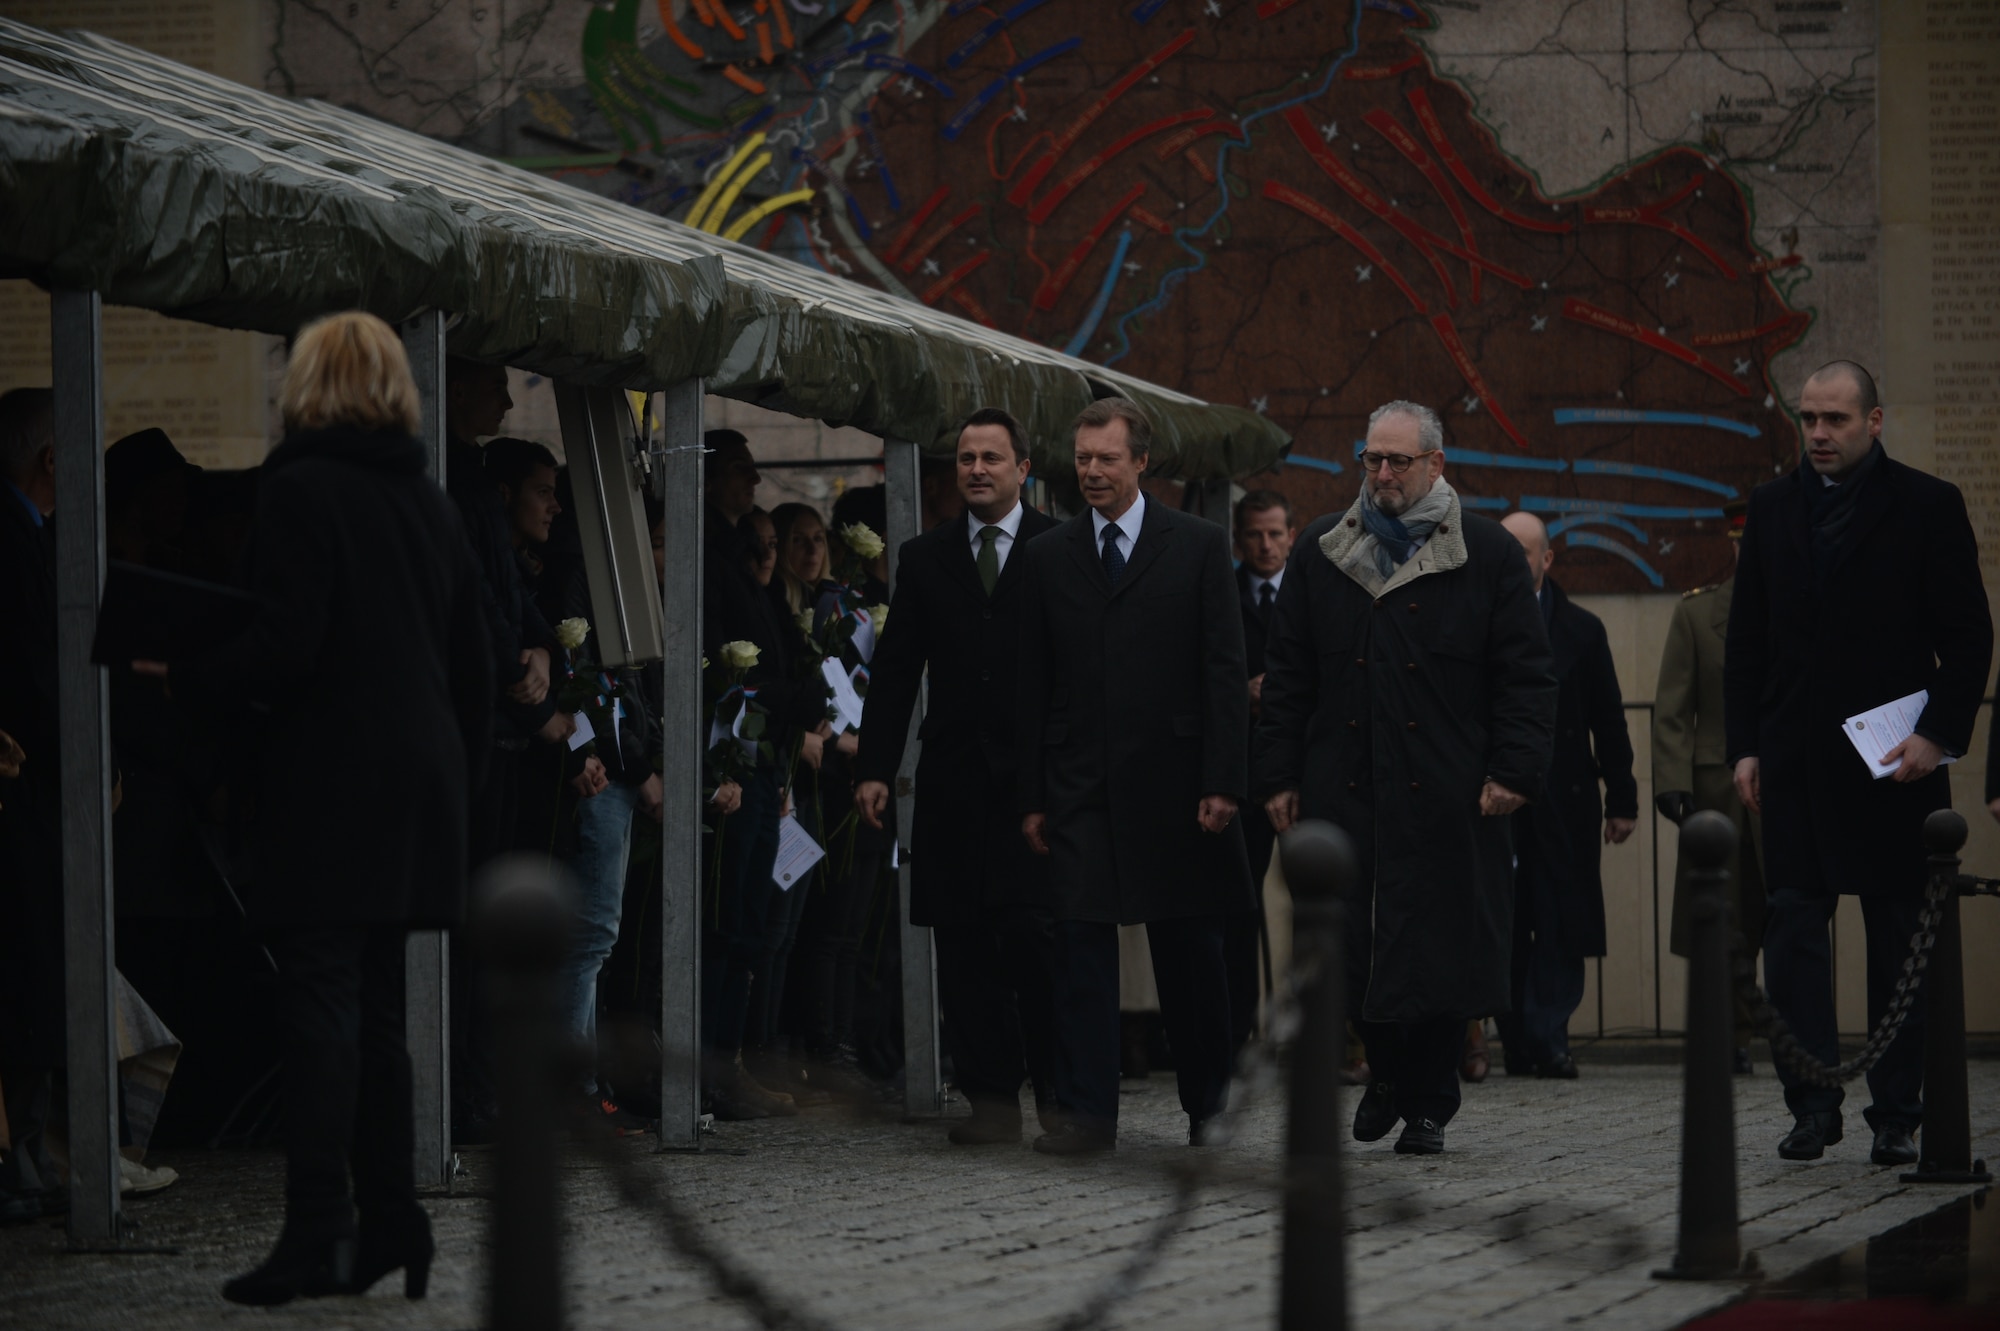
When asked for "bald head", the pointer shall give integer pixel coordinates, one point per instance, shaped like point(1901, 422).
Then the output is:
point(1533, 535)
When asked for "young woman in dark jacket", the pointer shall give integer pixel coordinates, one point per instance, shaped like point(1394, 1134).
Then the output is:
point(366, 682)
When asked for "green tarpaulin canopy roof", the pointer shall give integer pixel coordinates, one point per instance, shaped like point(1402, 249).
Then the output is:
point(160, 186)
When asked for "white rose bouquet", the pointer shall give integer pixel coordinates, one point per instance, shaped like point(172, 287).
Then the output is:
point(573, 633)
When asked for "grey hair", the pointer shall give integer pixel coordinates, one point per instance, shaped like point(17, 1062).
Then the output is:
point(1430, 430)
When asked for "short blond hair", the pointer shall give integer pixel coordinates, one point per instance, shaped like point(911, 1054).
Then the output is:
point(350, 369)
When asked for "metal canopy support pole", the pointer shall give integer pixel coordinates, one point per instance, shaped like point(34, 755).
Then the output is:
point(923, 1084)
point(84, 716)
point(682, 767)
point(427, 960)
point(1208, 499)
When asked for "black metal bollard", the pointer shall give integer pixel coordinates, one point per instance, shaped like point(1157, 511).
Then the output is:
point(1708, 1247)
point(1946, 1152)
point(1319, 867)
point(522, 925)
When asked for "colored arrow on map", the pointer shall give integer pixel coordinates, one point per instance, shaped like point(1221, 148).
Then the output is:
point(984, 98)
point(1025, 187)
point(1592, 541)
point(1561, 525)
point(1584, 312)
point(1319, 212)
point(1625, 416)
point(1640, 471)
point(1448, 334)
point(1433, 128)
point(1081, 338)
point(1317, 464)
point(1557, 504)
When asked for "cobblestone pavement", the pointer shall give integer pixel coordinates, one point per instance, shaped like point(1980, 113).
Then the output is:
point(1553, 1203)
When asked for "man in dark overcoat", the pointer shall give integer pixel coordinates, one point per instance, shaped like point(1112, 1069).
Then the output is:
point(1264, 537)
point(1558, 883)
point(1858, 585)
point(957, 611)
point(1407, 699)
point(1134, 741)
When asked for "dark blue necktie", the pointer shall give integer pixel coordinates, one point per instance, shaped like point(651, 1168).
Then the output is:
point(1114, 562)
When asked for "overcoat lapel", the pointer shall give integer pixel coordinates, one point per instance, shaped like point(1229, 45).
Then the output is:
point(1873, 504)
point(1798, 522)
point(957, 557)
point(1083, 550)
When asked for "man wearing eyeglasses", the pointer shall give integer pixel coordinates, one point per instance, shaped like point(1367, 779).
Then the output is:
point(1408, 699)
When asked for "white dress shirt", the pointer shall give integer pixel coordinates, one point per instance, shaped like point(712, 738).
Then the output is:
point(1128, 527)
point(1010, 527)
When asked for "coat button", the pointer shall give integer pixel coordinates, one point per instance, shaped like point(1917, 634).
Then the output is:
point(987, 615)
point(1354, 725)
point(1411, 667)
point(1361, 660)
point(1444, 526)
point(1354, 785)
point(1414, 785)
point(1413, 607)
point(1411, 726)
point(1350, 522)
point(986, 674)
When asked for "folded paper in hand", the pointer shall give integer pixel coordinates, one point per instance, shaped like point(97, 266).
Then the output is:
point(1879, 729)
point(845, 700)
point(797, 853)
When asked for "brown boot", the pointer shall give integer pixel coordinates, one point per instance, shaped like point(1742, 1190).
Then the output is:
point(736, 1096)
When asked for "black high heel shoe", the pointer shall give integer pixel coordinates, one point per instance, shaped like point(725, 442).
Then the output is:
point(389, 1244)
point(298, 1268)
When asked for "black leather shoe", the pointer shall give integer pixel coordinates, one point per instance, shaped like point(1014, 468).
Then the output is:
point(1421, 1137)
point(1743, 1066)
point(1893, 1146)
point(1376, 1113)
point(1076, 1139)
point(1810, 1136)
point(298, 1268)
point(389, 1245)
point(1563, 1069)
point(987, 1127)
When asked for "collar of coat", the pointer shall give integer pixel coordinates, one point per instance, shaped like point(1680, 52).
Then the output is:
point(1349, 548)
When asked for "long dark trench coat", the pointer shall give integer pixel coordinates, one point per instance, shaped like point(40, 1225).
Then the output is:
point(1387, 707)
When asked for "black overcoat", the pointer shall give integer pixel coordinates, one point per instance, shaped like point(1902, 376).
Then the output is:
point(1131, 710)
point(365, 685)
point(1591, 745)
point(967, 853)
point(1387, 711)
point(1901, 609)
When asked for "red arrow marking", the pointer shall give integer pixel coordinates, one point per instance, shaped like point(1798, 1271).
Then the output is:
point(1319, 212)
point(1025, 188)
point(1427, 120)
point(1651, 215)
point(1768, 265)
point(1371, 74)
point(1406, 143)
point(1151, 221)
point(1605, 321)
point(1063, 188)
point(1058, 281)
point(1343, 176)
point(955, 276)
point(965, 301)
point(1193, 134)
point(936, 238)
point(916, 223)
point(1448, 334)
point(1793, 322)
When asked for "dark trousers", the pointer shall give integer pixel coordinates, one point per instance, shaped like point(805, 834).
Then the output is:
point(1798, 966)
point(1420, 1060)
point(346, 1077)
point(1193, 981)
point(1546, 977)
point(740, 893)
point(491, 832)
point(996, 986)
point(1244, 937)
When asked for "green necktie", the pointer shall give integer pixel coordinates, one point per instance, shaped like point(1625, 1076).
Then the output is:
point(989, 558)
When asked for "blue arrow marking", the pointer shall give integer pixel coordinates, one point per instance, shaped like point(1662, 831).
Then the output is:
point(896, 64)
point(1318, 464)
point(987, 33)
point(1482, 501)
point(963, 120)
point(1097, 307)
point(1561, 525)
point(1591, 468)
point(1550, 504)
point(1625, 416)
point(1592, 541)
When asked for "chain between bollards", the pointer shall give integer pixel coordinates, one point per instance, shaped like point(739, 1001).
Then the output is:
point(1319, 869)
point(1946, 1152)
point(522, 924)
point(1708, 1248)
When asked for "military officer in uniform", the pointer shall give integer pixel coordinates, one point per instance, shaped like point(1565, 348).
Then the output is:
point(1690, 760)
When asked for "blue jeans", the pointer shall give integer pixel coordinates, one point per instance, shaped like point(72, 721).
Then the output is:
point(603, 849)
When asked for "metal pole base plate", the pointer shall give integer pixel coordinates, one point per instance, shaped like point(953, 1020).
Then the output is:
point(1977, 1174)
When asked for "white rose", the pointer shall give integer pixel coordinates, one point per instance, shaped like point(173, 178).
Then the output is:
point(572, 632)
point(861, 540)
point(880, 614)
point(739, 655)
point(806, 622)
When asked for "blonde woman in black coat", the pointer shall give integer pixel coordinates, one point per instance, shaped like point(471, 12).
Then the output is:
point(366, 684)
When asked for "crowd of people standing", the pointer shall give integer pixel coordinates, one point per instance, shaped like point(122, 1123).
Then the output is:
point(1121, 712)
